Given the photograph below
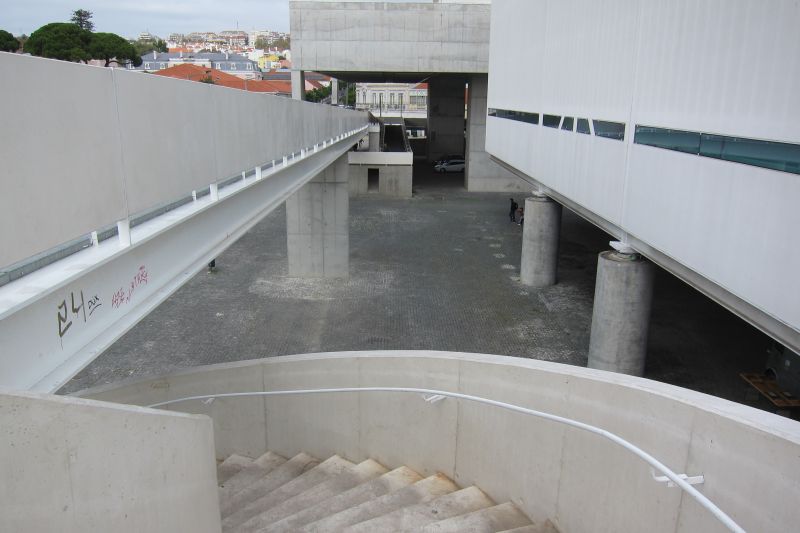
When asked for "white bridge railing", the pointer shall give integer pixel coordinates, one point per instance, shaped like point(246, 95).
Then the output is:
point(433, 396)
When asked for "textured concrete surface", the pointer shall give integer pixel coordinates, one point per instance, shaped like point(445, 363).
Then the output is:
point(439, 271)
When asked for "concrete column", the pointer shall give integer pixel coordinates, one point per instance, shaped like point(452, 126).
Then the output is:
point(334, 91)
point(445, 116)
point(622, 297)
point(374, 137)
point(298, 85)
point(540, 242)
point(483, 174)
point(317, 225)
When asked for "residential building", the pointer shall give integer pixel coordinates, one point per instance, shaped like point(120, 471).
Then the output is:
point(217, 77)
point(233, 64)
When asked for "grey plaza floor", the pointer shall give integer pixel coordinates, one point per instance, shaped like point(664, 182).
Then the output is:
point(437, 272)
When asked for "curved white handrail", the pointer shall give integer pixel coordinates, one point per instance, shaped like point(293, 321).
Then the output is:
point(646, 457)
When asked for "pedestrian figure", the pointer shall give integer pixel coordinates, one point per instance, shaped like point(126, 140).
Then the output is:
point(212, 266)
point(521, 212)
point(513, 212)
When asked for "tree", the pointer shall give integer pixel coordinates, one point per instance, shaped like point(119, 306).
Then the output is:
point(160, 45)
point(110, 47)
point(83, 19)
point(60, 40)
point(283, 43)
point(261, 44)
point(315, 95)
point(8, 43)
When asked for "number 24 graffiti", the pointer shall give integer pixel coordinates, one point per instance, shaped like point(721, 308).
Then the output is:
point(76, 309)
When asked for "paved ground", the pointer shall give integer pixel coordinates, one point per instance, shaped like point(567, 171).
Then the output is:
point(440, 272)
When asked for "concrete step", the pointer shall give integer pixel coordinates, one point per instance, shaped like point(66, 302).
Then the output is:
point(489, 520)
point(547, 527)
point(232, 466)
point(338, 484)
point(385, 484)
point(249, 474)
point(416, 516)
point(422, 491)
point(256, 499)
point(286, 472)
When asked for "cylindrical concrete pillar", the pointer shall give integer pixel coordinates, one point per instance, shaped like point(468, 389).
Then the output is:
point(540, 233)
point(622, 297)
point(374, 137)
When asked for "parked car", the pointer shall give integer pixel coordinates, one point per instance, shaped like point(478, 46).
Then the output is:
point(447, 158)
point(453, 165)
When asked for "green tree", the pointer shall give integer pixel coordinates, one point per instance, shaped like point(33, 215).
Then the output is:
point(83, 19)
point(315, 95)
point(60, 40)
point(145, 47)
point(8, 43)
point(261, 43)
point(282, 43)
point(161, 45)
point(110, 47)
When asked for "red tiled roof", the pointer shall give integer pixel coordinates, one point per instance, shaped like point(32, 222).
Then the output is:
point(198, 73)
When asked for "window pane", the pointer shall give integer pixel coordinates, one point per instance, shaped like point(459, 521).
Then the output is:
point(766, 154)
point(681, 141)
point(609, 130)
point(551, 121)
point(583, 126)
point(567, 125)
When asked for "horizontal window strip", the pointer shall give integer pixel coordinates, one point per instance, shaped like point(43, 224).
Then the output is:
point(784, 157)
point(520, 116)
point(602, 128)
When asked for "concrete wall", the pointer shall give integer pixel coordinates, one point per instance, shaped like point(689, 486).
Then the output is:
point(481, 173)
point(731, 226)
point(102, 144)
point(390, 37)
point(75, 465)
point(393, 180)
point(576, 479)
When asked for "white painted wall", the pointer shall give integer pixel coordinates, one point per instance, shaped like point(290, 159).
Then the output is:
point(101, 144)
point(75, 465)
point(725, 67)
point(576, 479)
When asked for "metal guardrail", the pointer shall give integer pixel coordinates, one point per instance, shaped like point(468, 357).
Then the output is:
point(433, 396)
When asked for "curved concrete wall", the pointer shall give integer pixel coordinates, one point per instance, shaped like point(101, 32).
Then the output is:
point(75, 465)
point(580, 481)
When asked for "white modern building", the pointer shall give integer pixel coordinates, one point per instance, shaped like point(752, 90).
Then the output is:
point(671, 125)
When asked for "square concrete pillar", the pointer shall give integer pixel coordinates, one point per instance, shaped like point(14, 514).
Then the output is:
point(446, 116)
point(334, 91)
point(317, 225)
point(481, 173)
point(298, 85)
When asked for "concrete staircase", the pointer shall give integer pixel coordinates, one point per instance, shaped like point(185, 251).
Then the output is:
point(302, 494)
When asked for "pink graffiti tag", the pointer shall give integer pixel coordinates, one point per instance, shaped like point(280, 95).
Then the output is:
point(123, 295)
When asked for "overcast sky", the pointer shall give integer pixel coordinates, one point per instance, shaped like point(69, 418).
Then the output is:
point(160, 17)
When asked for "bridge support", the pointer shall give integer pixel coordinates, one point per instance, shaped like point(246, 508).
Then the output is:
point(622, 297)
point(334, 91)
point(317, 230)
point(374, 137)
point(540, 235)
point(298, 85)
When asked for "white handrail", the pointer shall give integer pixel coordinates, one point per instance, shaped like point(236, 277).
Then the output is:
point(646, 457)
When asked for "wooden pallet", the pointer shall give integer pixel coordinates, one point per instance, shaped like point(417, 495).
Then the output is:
point(769, 388)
